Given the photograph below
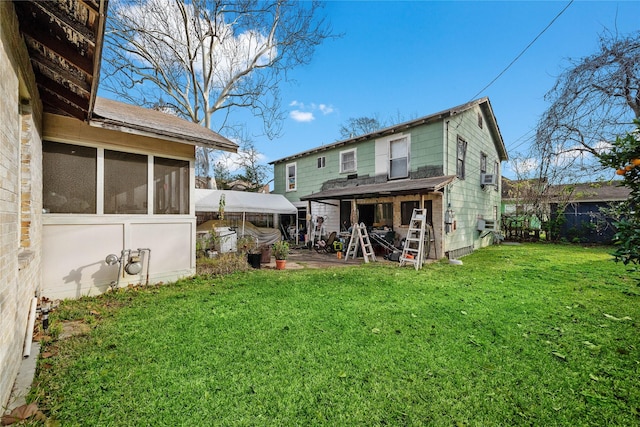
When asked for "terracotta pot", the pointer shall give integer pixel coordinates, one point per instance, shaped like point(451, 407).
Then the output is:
point(280, 264)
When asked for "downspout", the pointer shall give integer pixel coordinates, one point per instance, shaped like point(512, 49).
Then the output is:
point(30, 325)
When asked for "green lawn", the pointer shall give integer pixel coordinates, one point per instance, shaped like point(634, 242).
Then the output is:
point(518, 335)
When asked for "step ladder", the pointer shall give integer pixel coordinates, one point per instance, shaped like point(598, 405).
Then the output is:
point(413, 251)
point(360, 239)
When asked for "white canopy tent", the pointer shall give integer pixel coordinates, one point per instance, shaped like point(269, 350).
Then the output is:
point(243, 202)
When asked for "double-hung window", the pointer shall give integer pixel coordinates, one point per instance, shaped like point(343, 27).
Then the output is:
point(292, 181)
point(483, 163)
point(461, 157)
point(348, 161)
point(399, 158)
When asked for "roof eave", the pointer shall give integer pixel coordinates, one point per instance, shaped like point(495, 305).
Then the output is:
point(167, 136)
point(408, 125)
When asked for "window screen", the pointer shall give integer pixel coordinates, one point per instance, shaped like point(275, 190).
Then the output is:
point(171, 186)
point(125, 183)
point(69, 178)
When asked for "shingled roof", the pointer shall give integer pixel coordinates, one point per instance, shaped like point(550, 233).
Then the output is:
point(115, 115)
point(484, 104)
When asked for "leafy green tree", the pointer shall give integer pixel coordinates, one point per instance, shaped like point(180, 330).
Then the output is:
point(624, 156)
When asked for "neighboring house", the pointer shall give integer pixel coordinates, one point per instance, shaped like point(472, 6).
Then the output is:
point(522, 210)
point(584, 219)
point(575, 210)
point(522, 196)
point(81, 177)
point(448, 163)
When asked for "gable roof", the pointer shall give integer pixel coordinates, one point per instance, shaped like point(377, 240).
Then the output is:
point(115, 115)
point(484, 104)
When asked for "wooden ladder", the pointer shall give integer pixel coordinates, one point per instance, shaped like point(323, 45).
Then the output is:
point(360, 238)
point(413, 250)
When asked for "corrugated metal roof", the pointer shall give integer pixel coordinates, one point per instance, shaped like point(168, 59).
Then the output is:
point(390, 188)
point(115, 115)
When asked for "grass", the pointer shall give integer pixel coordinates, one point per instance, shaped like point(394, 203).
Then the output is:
point(518, 335)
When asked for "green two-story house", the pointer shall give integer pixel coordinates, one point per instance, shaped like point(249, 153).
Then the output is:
point(447, 163)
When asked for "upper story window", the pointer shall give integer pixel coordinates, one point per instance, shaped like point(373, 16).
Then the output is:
point(461, 157)
point(399, 158)
point(348, 162)
point(75, 176)
point(496, 170)
point(292, 181)
point(321, 162)
point(480, 123)
point(483, 163)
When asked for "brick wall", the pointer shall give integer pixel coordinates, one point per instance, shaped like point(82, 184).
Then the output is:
point(20, 196)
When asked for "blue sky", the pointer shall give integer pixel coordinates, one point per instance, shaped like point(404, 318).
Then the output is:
point(414, 58)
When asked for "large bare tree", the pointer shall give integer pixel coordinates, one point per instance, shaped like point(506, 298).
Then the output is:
point(595, 99)
point(207, 60)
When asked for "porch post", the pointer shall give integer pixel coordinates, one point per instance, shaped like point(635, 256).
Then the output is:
point(354, 212)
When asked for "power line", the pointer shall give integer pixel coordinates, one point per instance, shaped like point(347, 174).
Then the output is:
point(523, 51)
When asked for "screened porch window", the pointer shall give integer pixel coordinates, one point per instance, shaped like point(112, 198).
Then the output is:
point(125, 183)
point(399, 158)
point(69, 178)
point(74, 176)
point(171, 186)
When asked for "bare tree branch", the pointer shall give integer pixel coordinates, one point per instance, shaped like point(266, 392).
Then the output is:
point(203, 57)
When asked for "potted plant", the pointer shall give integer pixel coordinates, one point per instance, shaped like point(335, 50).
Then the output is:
point(281, 252)
point(249, 245)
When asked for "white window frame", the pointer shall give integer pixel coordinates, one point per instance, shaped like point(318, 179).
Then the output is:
point(150, 201)
point(287, 177)
point(355, 161)
point(406, 156)
point(461, 157)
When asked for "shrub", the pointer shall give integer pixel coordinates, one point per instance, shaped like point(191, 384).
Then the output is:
point(221, 265)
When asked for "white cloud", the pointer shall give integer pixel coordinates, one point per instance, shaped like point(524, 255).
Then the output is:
point(302, 116)
point(304, 113)
point(326, 109)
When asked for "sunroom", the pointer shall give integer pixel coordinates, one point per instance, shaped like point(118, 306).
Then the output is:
point(118, 198)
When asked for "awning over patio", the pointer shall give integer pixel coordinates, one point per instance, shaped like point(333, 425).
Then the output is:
point(241, 201)
point(389, 188)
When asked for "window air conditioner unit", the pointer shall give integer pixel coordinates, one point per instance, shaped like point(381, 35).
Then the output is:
point(488, 179)
point(486, 224)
